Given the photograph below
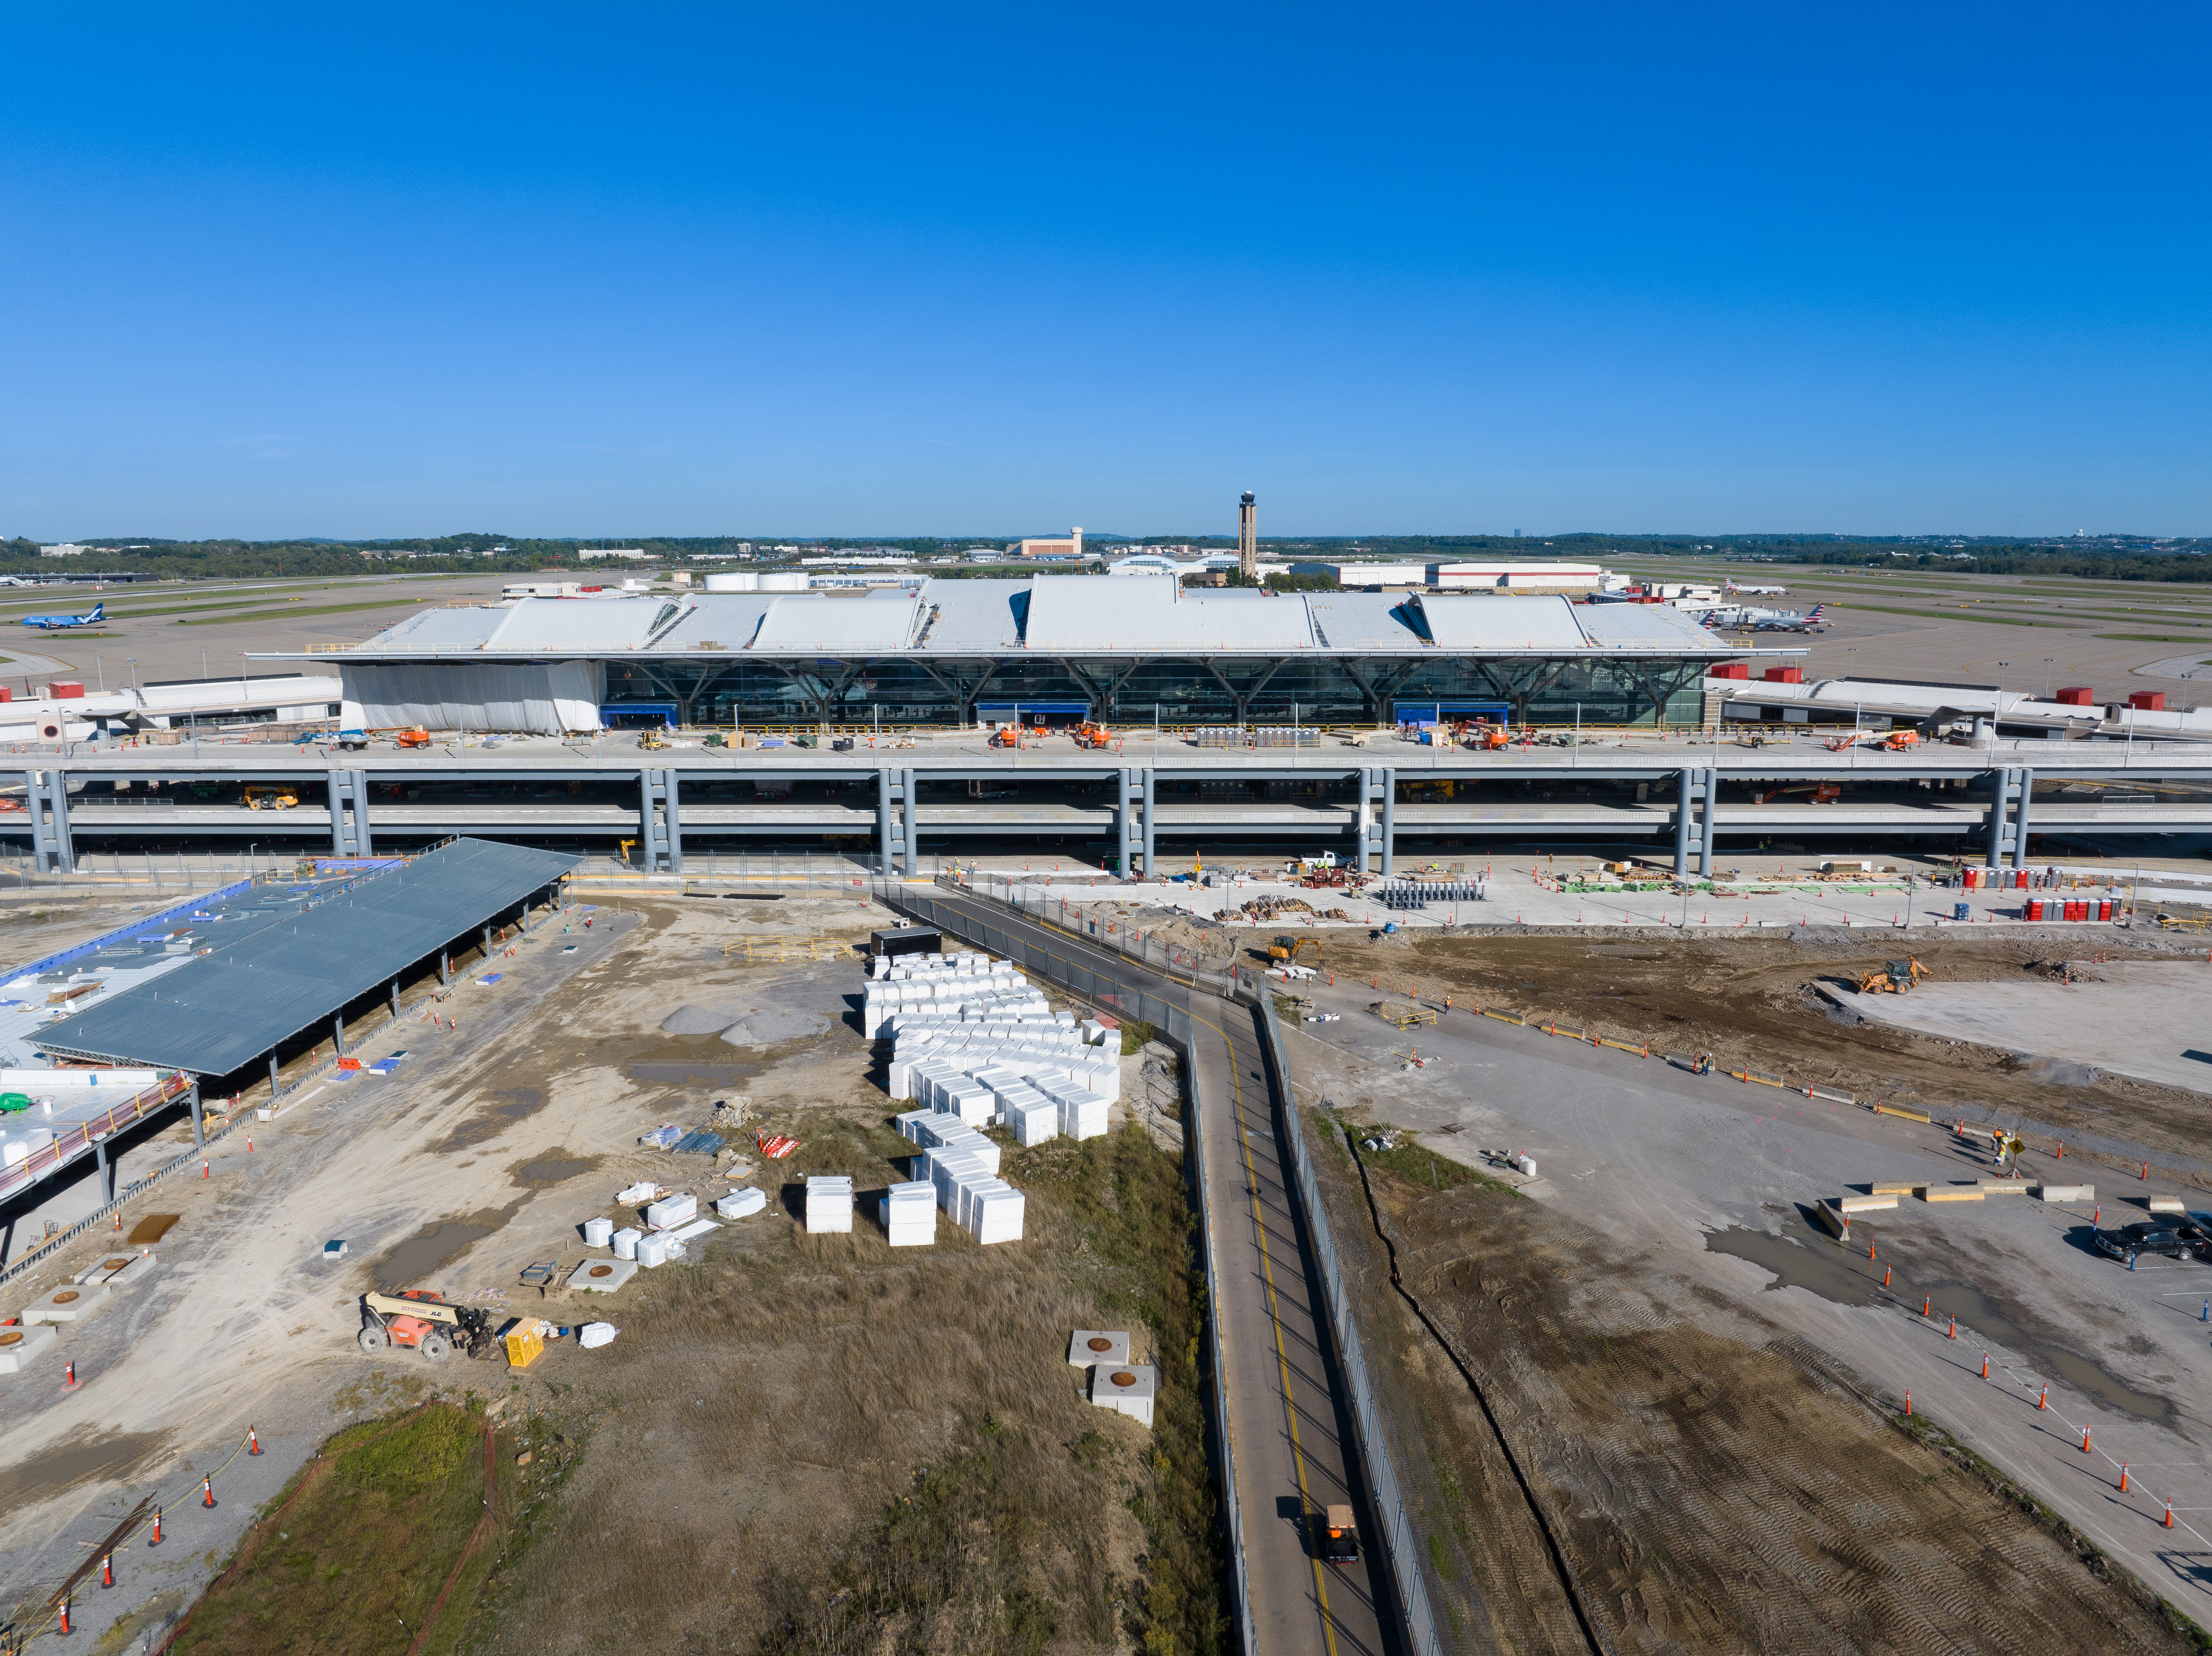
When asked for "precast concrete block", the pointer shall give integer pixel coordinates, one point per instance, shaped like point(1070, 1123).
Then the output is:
point(19, 1345)
point(68, 1305)
point(602, 1276)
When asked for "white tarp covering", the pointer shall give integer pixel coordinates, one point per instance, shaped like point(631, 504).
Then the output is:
point(533, 698)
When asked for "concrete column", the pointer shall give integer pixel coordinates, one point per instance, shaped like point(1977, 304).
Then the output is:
point(2019, 819)
point(107, 1169)
point(272, 1094)
point(1151, 800)
point(907, 827)
point(445, 966)
point(395, 1000)
point(192, 1103)
point(338, 1034)
point(1708, 817)
point(1693, 820)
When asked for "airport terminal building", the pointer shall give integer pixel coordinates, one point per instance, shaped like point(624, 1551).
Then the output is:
point(1124, 650)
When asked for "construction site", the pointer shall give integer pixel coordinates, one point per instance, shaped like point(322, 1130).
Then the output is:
point(986, 1198)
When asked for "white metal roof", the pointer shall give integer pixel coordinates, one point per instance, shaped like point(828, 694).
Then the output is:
point(1642, 627)
point(1150, 612)
point(844, 625)
point(1473, 623)
point(1362, 621)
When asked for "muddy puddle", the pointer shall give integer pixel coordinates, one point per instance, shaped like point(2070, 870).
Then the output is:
point(689, 1075)
point(67, 1464)
point(1798, 1259)
point(414, 1261)
point(509, 1107)
point(552, 1169)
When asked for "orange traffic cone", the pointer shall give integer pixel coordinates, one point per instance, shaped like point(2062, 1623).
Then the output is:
point(2085, 1440)
point(2124, 1477)
point(2043, 1401)
point(1986, 1365)
point(1952, 1333)
point(252, 1441)
point(1908, 1402)
point(206, 1492)
point(107, 1565)
point(2169, 1514)
point(1925, 1302)
point(66, 1610)
point(1885, 1276)
point(156, 1541)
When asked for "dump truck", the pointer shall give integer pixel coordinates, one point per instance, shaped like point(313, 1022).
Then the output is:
point(419, 1317)
point(1339, 1536)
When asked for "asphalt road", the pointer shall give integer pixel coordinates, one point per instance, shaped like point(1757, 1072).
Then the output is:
point(1290, 1432)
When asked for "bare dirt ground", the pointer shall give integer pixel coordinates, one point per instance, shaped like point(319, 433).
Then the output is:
point(1753, 1002)
point(795, 1443)
point(1706, 1481)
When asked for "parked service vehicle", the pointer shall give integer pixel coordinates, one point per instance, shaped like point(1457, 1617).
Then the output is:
point(1340, 1540)
point(2166, 1239)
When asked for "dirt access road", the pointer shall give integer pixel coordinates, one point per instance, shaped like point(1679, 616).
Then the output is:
point(1702, 1395)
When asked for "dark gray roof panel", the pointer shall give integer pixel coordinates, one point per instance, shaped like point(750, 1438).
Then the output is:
point(228, 1008)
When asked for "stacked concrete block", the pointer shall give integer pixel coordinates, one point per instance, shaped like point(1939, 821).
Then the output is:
point(1034, 1123)
point(995, 1210)
point(910, 1214)
point(828, 1203)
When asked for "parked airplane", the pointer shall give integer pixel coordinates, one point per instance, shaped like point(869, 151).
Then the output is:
point(1754, 591)
point(1767, 620)
point(91, 617)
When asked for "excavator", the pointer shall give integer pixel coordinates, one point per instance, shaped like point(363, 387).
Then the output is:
point(1895, 980)
point(418, 1317)
point(1295, 951)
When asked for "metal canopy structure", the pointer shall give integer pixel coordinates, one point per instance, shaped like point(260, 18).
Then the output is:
point(1131, 648)
point(229, 1007)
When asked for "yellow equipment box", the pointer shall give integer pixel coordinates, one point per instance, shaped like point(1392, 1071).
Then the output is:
point(525, 1342)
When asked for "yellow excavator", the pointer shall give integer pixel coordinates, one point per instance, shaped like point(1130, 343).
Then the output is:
point(1295, 951)
point(1899, 976)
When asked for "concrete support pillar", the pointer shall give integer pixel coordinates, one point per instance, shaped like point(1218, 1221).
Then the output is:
point(337, 1035)
point(192, 1103)
point(661, 821)
point(1128, 820)
point(46, 797)
point(894, 851)
point(1378, 820)
point(1693, 820)
point(349, 795)
point(445, 966)
point(395, 1000)
point(272, 1093)
point(1151, 817)
point(107, 1169)
point(2008, 838)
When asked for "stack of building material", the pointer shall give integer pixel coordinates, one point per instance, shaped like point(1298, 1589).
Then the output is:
point(910, 1214)
point(625, 1242)
point(671, 1211)
point(1034, 1123)
point(645, 1191)
point(828, 1203)
point(995, 1211)
point(654, 1248)
point(741, 1204)
point(1130, 1390)
point(661, 1137)
point(597, 1233)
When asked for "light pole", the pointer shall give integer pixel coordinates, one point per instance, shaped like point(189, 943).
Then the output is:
point(204, 670)
point(2049, 661)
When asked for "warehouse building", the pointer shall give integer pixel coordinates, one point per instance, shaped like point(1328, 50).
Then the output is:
point(1119, 649)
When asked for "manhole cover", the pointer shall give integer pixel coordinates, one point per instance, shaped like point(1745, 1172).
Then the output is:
point(1100, 1343)
point(65, 1296)
point(603, 1270)
point(9, 1337)
point(1123, 1377)
point(113, 1264)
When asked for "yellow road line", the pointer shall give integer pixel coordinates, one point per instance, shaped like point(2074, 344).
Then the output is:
point(1274, 1316)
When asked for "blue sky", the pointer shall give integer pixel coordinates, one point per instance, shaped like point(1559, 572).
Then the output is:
point(996, 269)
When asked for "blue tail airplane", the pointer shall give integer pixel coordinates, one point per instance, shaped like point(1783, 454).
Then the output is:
point(91, 617)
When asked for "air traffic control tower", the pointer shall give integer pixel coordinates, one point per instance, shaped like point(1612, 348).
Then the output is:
point(1248, 538)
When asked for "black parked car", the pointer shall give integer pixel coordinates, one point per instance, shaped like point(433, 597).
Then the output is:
point(2176, 1239)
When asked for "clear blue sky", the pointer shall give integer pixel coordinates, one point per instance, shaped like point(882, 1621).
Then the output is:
point(918, 270)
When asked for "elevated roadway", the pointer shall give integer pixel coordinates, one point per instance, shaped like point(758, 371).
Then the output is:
point(1289, 1433)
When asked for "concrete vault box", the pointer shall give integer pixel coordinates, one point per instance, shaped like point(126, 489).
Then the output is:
point(602, 1276)
point(1088, 1347)
point(19, 1345)
point(122, 1265)
point(67, 1305)
point(1127, 1389)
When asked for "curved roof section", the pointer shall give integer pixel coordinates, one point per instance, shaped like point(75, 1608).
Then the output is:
point(1050, 614)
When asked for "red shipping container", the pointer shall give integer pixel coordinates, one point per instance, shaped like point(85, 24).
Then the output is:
point(67, 692)
point(6, 695)
point(2035, 908)
point(1785, 675)
point(1732, 670)
point(2149, 702)
point(2077, 695)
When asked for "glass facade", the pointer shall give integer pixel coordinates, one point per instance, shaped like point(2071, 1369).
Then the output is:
point(1598, 689)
